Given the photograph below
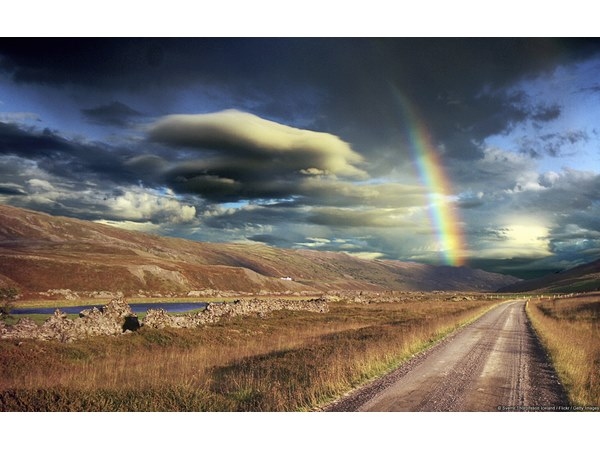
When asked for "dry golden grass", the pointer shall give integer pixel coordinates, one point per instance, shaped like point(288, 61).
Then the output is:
point(570, 331)
point(290, 361)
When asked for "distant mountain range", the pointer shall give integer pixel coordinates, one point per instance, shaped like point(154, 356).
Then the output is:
point(584, 278)
point(39, 252)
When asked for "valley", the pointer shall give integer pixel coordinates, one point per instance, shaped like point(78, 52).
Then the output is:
point(276, 329)
point(42, 254)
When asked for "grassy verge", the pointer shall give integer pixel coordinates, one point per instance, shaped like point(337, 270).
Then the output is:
point(569, 329)
point(292, 361)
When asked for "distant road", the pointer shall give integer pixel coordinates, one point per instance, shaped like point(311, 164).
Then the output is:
point(494, 364)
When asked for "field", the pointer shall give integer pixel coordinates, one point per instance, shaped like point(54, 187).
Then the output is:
point(569, 328)
point(289, 361)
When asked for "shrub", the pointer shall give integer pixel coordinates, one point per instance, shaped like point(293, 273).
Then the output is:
point(8, 295)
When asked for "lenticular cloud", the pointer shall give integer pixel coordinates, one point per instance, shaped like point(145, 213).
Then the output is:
point(237, 134)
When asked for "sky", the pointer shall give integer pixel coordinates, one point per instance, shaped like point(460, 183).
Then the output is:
point(478, 152)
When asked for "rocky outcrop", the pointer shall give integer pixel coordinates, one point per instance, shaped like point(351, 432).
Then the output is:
point(116, 318)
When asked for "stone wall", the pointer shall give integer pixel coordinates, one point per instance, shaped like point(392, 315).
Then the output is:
point(367, 297)
point(158, 318)
point(113, 319)
point(116, 318)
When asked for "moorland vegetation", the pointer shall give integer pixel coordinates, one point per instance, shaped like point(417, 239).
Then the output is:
point(288, 361)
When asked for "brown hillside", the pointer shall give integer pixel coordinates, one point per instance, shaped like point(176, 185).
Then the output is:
point(583, 278)
point(40, 252)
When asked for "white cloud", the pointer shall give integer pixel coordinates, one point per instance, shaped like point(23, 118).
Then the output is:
point(145, 205)
point(41, 185)
point(146, 227)
point(43, 192)
point(367, 255)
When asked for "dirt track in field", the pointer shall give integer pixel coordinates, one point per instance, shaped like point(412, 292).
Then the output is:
point(494, 364)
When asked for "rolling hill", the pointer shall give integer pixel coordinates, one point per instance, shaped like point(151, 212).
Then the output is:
point(584, 278)
point(39, 252)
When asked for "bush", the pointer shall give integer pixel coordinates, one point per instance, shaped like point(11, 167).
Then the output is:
point(8, 295)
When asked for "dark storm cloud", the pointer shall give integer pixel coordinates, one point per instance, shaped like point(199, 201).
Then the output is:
point(28, 142)
point(115, 114)
point(140, 63)
point(63, 157)
point(455, 84)
point(86, 61)
point(525, 268)
point(89, 61)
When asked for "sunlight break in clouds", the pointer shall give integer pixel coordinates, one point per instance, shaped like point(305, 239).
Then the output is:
point(533, 238)
point(519, 240)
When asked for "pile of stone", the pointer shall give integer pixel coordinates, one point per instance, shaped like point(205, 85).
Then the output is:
point(113, 319)
point(368, 297)
point(158, 318)
point(460, 298)
point(117, 318)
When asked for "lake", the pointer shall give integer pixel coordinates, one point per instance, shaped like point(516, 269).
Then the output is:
point(176, 307)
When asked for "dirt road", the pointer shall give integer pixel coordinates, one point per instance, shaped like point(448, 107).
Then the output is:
point(494, 364)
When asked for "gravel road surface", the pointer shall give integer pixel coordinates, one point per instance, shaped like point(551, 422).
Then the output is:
point(494, 364)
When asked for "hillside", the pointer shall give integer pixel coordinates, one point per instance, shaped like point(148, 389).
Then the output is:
point(39, 252)
point(584, 278)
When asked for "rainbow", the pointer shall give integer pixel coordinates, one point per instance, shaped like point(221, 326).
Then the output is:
point(443, 214)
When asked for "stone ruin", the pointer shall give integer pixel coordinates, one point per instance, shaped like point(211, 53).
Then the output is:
point(159, 318)
point(117, 318)
point(114, 318)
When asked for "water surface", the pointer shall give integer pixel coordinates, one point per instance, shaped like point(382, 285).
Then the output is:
point(178, 307)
